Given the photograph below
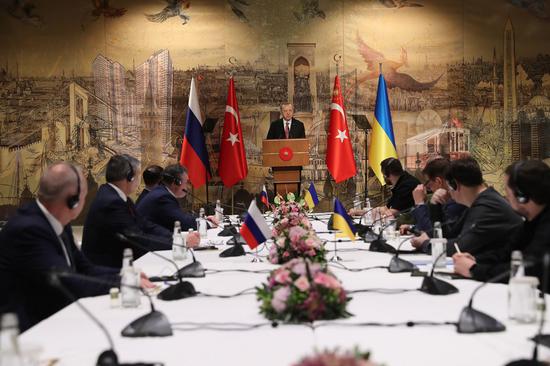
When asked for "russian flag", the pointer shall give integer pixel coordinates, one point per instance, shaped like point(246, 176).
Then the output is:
point(254, 229)
point(263, 196)
point(194, 155)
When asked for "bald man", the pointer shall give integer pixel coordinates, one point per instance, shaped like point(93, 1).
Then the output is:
point(39, 239)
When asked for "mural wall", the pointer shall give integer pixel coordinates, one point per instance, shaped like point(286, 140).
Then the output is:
point(83, 80)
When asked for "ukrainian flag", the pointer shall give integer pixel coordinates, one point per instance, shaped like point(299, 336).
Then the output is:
point(311, 197)
point(342, 221)
point(382, 143)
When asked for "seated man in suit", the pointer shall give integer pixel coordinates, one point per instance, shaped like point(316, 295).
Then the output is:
point(287, 127)
point(151, 178)
point(440, 206)
point(39, 239)
point(113, 212)
point(488, 227)
point(161, 206)
point(527, 185)
point(402, 184)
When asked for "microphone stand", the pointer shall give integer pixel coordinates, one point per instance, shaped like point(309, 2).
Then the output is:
point(380, 244)
point(397, 264)
point(474, 321)
point(433, 285)
point(159, 323)
point(182, 289)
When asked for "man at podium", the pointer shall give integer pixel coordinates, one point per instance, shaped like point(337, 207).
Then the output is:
point(286, 127)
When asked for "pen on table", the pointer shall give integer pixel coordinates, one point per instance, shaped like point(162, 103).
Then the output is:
point(457, 249)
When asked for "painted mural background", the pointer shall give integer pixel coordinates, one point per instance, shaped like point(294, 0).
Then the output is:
point(82, 80)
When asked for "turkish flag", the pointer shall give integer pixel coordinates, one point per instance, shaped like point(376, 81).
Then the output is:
point(232, 165)
point(340, 160)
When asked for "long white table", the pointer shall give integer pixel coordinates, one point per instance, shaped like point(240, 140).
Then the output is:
point(72, 338)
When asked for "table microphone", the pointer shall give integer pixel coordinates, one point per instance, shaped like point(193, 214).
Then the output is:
point(433, 285)
point(474, 321)
point(193, 269)
point(153, 324)
point(380, 244)
point(236, 248)
point(180, 290)
point(397, 264)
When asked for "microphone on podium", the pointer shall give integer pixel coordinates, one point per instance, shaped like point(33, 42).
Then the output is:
point(154, 324)
point(180, 290)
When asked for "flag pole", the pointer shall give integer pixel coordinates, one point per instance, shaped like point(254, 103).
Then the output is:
point(232, 202)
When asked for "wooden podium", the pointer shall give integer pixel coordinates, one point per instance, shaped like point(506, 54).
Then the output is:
point(286, 157)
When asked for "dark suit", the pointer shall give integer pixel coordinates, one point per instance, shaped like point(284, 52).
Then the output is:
point(277, 130)
point(109, 215)
point(142, 195)
point(162, 208)
point(29, 249)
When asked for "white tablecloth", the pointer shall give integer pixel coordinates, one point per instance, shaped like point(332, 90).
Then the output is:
point(72, 337)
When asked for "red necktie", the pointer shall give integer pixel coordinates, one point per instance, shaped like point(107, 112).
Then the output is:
point(286, 129)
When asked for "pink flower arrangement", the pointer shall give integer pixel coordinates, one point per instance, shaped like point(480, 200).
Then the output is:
point(302, 291)
point(337, 358)
point(294, 236)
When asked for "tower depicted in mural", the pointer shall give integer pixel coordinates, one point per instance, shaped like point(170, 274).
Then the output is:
point(510, 93)
point(155, 76)
point(151, 131)
point(110, 86)
point(302, 81)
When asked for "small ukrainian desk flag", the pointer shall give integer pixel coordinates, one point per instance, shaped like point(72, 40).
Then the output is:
point(311, 197)
point(342, 221)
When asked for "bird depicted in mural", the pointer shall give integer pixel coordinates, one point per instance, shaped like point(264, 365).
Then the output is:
point(173, 9)
point(310, 10)
point(399, 4)
point(103, 8)
point(22, 10)
point(237, 9)
point(538, 8)
point(394, 79)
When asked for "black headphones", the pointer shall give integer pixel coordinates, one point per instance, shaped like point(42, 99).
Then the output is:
point(74, 200)
point(520, 196)
point(172, 178)
point(451, 182)
point(130, 175)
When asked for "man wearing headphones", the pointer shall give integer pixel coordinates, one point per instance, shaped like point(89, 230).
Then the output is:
point(151, 178)
point(488, 227)
point(527, 185)
point(113, 212)
point(161, 206)
point(38, 239)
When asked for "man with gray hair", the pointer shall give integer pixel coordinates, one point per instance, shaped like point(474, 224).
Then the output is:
point(287, 127)
point(39, 240)
point(161, 206)
point(113, 212)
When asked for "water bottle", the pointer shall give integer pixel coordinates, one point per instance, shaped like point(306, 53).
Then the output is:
point(10, 353)
point(439, 247)
point(202, 226)
point(438, 231)
point(522, 292)
point(368, 213)
point(130, 297)
point(219, 211)
point(179, 251)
